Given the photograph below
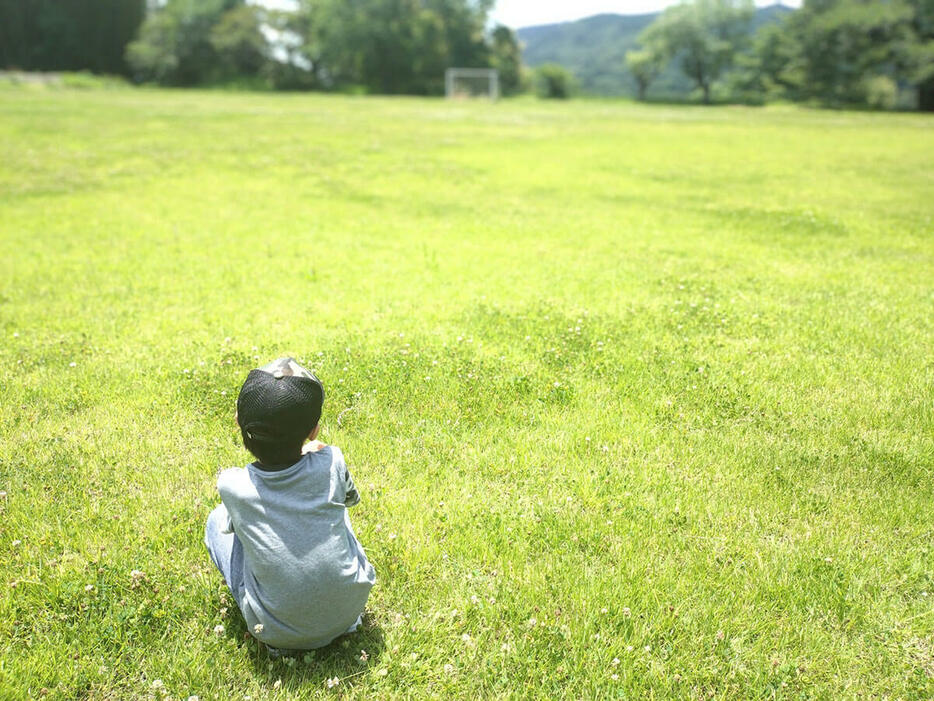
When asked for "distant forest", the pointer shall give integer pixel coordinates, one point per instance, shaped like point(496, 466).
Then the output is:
point(869, 53)
point(594, 50)
point(837, 53)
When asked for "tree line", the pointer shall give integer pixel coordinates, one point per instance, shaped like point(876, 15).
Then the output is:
point(383, 46)
point(61, 35)
point(835, 52)
point(878, 53)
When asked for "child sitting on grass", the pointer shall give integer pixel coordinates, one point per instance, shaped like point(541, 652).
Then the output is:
point(282, 536)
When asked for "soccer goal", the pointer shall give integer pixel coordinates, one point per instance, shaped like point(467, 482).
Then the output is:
point(471, 82)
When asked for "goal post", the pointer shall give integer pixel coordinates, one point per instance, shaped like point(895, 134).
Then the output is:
point(471, 82)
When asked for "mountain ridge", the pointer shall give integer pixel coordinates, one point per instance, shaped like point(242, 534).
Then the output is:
point(594, 49)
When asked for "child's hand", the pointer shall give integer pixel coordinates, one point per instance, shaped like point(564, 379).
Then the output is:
point(312, 447)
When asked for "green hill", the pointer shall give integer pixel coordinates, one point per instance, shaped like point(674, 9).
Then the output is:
point(594, 49)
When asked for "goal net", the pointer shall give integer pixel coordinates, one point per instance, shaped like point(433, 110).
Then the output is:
point(471, 82)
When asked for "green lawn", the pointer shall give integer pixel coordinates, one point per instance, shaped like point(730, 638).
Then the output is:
point(640, 400)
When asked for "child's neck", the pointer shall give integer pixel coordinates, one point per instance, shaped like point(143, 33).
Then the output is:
point(276, 468)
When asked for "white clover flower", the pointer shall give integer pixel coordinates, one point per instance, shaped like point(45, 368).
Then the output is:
point(277, 685)
point(364, 656)
point(614, 677)
point(257, 629)
point(383, 672)
point(626, 612)
point(532, 622)
point(89, 587)
point(219, 628)
point(193, 697)
point(449, 668)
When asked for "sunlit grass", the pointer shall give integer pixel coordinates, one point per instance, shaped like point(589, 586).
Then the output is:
point(638, 399)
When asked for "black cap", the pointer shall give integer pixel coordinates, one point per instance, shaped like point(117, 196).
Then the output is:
point(279, 402)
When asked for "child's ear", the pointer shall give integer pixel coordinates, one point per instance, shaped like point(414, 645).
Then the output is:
point(314, 432)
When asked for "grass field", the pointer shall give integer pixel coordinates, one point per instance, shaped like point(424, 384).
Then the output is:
point(640, 400)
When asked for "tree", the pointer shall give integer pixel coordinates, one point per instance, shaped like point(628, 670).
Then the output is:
point(292, 59)
point(507, 59)
point(704, 36)
point(241, 47)
point(68, 35)
point(393, 46)
point(842, 45)
point(918, 58)
point(174, 45)
point(765, 71)
point(153, 55)
point(553, 81)
point(644, 65)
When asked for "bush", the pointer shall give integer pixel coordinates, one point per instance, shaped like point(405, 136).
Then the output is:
point(881, 92)
point(553, 81)
point(84, 80)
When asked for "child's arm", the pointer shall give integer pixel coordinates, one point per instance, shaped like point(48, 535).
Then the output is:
point(312, 447)
point(227, 523)
point(353, 496)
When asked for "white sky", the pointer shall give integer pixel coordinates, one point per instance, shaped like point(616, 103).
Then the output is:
point(524, 13)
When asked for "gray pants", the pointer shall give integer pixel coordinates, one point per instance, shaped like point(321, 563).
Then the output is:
point(226, 553)
point(225, 550)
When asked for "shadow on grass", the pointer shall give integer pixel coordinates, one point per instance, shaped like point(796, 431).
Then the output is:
point(347, 658)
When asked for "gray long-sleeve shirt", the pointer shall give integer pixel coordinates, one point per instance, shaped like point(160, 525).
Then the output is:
point(306, 577)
